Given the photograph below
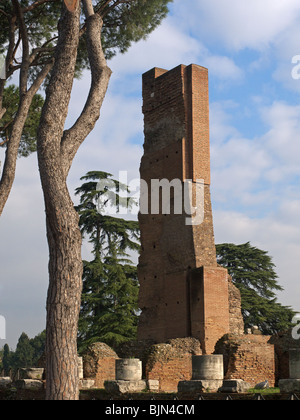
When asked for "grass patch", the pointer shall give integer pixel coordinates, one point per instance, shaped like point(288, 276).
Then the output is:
point(264, 391)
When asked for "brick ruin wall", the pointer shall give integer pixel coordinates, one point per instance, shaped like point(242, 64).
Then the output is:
point(253, 358)
point(169, 362)
point(178, 270)
point(248, 357)
point(184, 293)
point(99, 364)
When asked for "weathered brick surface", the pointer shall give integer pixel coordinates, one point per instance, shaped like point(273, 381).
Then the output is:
point(176, 121)
point(248, 357)
point(209, 309)
point(236, 321)
point(99, 364)
point(171, 372)
point(171, 362)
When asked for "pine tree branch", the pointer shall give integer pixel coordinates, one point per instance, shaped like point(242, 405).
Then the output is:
point(25, 44)
point(4, 142)
point(36, 4)
point(104, 9)
point(40, 78)
point(8, 60)
point(5, 14)
point(73, 138)
point(13, 142)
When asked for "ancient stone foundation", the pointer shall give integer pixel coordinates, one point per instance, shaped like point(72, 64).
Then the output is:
point(248, 357)
point(99, 364)
point(164, 365)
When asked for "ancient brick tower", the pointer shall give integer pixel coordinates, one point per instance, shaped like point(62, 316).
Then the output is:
point(183, 292)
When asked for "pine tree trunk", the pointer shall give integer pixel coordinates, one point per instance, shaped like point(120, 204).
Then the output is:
point(63, 234)
point(63, 301)
point(56, 149)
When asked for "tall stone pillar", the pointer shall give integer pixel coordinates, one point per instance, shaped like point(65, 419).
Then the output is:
point(183, 292)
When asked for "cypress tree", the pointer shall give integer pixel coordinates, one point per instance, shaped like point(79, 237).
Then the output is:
point(109, 310)
point(253, 272)
point(6, 359)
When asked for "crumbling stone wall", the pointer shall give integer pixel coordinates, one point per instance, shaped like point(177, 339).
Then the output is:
point(168, 362)
point(99, 364)
point(248, 357)
point(236, 321)
point(171, 362)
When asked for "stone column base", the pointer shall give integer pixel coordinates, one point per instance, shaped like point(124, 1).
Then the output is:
point(201, 385)
point(289, 385)
point(125, 387)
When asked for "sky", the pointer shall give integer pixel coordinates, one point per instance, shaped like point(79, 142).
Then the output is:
point(250, 51)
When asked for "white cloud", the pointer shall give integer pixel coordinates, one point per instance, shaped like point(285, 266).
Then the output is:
point(222, 67)
point(239, 24)
point(167, 47)
point(279, 237)
point(269, 27)
point(282, 139)
point(116, 142)
point(260, 176)
point(250, 163)
point(24, 255)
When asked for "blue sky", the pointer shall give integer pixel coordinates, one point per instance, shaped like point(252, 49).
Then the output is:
point(255, 149)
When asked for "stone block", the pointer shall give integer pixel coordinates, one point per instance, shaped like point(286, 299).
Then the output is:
point(234, 386)
point(152, 385)
point(208, 367)
point(5, 382)
point(31, 373)
point(86, 383)
point(294, 363)
point(29, 384)
point(125, 387)
point(128, 369)
point(289, 385)
point(201, 385)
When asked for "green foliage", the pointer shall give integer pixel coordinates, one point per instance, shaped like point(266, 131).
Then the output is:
point(23, 356)
point(129, 22)
point(6, 360)
point(41, 25)
point(110, 283)
point(253, 272)
point(11, 103)
point(27, 354)
point(124, 22)
point(41, 21)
